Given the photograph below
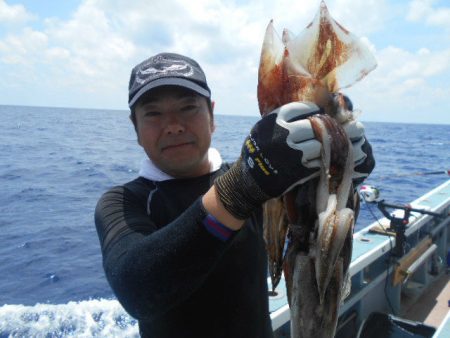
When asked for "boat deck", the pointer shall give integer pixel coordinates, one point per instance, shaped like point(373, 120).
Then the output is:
point(432, 307)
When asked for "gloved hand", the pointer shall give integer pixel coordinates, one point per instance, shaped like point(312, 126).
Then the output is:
point(362, 151)
point(280, 153)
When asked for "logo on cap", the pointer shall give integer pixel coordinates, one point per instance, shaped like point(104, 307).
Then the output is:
point(160, 66)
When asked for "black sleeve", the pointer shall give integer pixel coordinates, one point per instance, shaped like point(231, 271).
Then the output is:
point(151, 270)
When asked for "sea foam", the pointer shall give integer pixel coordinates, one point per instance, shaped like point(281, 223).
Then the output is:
point(91, 318)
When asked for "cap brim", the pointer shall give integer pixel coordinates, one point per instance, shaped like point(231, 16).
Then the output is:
point(169, 81)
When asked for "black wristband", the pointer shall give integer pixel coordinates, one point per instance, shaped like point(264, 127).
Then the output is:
point(238, 192)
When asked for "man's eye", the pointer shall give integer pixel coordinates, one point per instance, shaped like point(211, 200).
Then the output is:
point(152, 114)
point(190, 107)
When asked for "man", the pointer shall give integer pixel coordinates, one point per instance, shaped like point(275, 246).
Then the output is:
point(182, 244)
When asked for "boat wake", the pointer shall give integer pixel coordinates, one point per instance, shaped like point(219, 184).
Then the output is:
point(90, 318)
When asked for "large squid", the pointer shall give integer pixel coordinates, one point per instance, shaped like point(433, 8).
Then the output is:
point(309, 230)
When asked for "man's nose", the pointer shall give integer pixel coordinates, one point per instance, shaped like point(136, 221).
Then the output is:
point(174, 124)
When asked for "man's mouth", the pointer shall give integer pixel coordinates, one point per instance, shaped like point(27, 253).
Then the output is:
point(176, 146)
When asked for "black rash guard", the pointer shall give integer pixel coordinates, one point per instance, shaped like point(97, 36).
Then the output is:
point(173, 274)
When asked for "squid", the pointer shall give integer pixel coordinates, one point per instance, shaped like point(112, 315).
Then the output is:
point(309, 230)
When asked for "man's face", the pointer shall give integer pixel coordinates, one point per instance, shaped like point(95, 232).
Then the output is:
point(174, 127)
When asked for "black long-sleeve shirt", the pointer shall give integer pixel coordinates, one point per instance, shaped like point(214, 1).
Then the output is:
point(168, 271)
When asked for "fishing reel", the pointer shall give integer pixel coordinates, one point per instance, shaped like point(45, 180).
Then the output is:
point(369, 193)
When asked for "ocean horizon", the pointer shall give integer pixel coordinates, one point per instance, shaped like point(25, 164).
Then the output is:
point(255, 115)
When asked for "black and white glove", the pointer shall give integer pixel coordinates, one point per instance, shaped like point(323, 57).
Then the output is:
point(280, 153)
point(362, 151)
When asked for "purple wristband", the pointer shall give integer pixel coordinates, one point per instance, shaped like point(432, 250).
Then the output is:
point(216, 228)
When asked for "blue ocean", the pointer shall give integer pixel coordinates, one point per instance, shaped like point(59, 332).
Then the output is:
point(56, 162)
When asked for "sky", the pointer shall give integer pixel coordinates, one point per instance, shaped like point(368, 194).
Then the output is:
point(79, 53)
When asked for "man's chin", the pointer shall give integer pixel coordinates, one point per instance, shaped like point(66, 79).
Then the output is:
point(184, 169)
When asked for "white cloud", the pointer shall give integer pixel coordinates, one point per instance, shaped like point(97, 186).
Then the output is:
point(91, 39)
point(22, 48)
point(224, 38)
point(56, 54)
point(90, 55)
point(403, 86)
point(440, 17)
point(424, 11)
point(398, 64)
point(13, 14)
point(419, 9)
point(84, 53)
point(361, 17)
